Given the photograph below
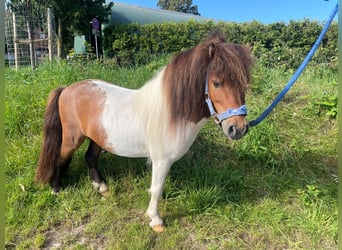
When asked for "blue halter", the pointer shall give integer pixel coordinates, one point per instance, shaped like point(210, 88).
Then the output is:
point(218, 118)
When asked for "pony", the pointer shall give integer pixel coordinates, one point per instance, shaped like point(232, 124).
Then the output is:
point(159, 121)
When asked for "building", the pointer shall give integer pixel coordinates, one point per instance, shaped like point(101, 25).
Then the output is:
point(123, 13)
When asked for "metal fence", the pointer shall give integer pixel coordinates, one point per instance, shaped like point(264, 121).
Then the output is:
point(30, 35)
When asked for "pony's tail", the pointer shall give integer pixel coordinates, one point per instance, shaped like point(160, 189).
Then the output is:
point(52, 139)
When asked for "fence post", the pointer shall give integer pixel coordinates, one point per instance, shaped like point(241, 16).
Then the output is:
point(50, 34)
point(30, 40)
point(15, 41)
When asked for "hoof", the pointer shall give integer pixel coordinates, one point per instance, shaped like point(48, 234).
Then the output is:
point(54, 190)
point(158, 228)
point(101, 187)
point(105, 194)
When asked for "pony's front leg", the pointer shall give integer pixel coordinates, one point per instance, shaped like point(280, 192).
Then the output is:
point(159, 173)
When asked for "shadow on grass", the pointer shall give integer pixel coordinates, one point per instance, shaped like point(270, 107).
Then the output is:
point(213, 174)
point(237, 176)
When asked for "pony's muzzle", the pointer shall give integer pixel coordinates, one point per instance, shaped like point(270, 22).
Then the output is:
point(236, 129)
point(237, 133)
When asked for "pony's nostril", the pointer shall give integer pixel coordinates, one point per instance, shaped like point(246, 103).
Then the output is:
point(235, 132)
point(245, 130)
point(232, 131)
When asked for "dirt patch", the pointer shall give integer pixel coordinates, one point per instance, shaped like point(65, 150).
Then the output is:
point(62, 237)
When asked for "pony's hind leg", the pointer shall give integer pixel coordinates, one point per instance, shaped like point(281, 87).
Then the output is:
point(92, 158)
point(60, 170)
point(70, 142)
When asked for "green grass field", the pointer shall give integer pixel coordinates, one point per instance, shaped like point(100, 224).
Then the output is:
point(274, 189)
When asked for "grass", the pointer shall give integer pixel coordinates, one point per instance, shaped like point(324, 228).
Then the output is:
point(275, 189)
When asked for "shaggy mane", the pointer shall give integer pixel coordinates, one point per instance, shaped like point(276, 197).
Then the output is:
point(185, 76)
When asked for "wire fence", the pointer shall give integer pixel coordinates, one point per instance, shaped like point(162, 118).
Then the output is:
point(29, 35)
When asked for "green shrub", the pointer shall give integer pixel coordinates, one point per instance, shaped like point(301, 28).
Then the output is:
point(135, 43)
point(276, 44)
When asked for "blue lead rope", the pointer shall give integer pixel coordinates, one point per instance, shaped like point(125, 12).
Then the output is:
point(297, 73)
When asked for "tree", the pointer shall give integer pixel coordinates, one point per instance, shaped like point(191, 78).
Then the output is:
point(73, 18)
point(184, 6)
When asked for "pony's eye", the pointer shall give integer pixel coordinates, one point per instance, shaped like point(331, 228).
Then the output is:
point(216, 84)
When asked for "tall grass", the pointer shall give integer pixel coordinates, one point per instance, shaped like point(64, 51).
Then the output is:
point(275, 189)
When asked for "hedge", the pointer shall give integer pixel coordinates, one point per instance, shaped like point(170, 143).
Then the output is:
point(276, 44)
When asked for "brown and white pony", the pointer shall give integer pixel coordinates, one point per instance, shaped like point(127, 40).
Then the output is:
point(160, 120)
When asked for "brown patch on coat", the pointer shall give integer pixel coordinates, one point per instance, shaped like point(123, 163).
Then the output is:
point(81, 107)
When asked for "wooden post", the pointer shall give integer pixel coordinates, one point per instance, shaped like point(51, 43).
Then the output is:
point(15, 41)
point(31, 45)
point(50, 34)
point(59, 39)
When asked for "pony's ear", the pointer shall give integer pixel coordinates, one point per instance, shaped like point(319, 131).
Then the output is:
point(212, 49)
point(249, 47)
